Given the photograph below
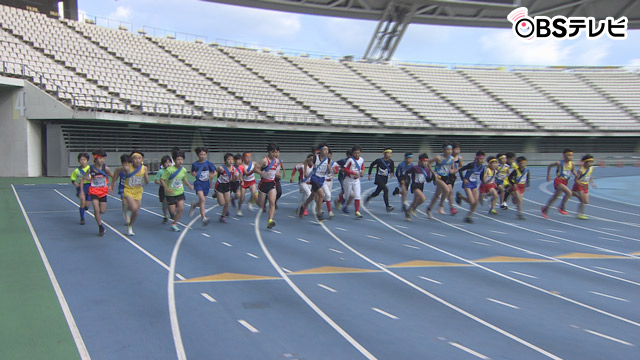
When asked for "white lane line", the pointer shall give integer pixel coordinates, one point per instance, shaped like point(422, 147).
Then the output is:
point(252, 224)
point(286, 270)
point(335, 250)
point(341, 229)
point(503, 303)
point(282, 272)
point(385, 313)
point(481, 243)
point(610, 229)
point(498, 232)
point(327, 288)
point(248, 326)
point(609, 296)
point(549, 241)
point(556, 230)
point(208, 297)
point(73, 327)
point(276, 231)
point(303, 240)
point(206, 235)
point(400, 226)
point(410, 246)
point(610, 239)
point(226, 244)
point(608, 337)
point(370, 220)
point(466, 349)
point(436, 234)
point(253, 256)
point(292, 217)
point(523, 274)
point(373, 237)
point(606, 269)
point(433, 281)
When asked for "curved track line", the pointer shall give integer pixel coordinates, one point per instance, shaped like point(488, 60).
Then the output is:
point(304, 297)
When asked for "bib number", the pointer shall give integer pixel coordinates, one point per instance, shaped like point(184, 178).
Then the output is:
point(135, 181)
point(99, 181)
point(176, 184)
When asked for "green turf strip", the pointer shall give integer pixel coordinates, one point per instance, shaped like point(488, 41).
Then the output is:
point(32, 324)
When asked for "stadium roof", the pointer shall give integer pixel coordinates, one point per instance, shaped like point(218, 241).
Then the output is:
point(485, 13)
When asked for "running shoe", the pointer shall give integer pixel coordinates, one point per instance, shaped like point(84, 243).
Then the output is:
point(338, 205)
point(429, 213)
point(493, 212)
point(192, 209)
point(270, 224)
point(227, 214)
point(544, 211)
point(414, 212)
point(521, 217)
point(562, 211)
point(582, 217)
point(205, 221)
point(358, 215)
point(239, 212)
point(250, 206)
point(441, 210)
point(300, 212)
point(458, 198)
point(345, 210)
point(175, 228)
point(504, 206)
point(454, 211)
point(319, 217)
point(101, 230)
point(306, 212)
point(367, 199)
point(165, 220)
point(81, 222)
point(330, 214)
point(390, 208)
point(396, 191)
point(407, 215)
point(223, 219)
point(130, 231)
point(468, 220)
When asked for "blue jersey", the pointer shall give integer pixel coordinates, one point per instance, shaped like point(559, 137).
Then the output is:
point(202, 170)
point(473, 174)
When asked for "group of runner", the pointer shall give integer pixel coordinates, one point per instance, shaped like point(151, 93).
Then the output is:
point(496, 177)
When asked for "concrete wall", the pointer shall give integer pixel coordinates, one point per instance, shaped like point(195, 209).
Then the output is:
point(20, 138)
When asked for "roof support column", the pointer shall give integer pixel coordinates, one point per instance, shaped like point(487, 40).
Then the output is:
point(389, 32)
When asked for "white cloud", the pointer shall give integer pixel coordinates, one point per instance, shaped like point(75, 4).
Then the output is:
point(121, 13)
point(634, 62)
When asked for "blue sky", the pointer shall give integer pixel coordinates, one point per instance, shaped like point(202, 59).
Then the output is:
point(338, 37)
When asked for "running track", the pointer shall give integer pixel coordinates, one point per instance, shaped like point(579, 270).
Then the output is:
point(380, 287)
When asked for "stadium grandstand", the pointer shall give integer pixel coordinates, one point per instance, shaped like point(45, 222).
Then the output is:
point(71, 85)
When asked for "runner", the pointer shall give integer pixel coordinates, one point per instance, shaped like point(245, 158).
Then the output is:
point(519, 180)
point(267, 168)
point(584, 177)
point(203, 170)
point(99, 174)
point(385, 169)
point(471, 175)
point(354, 170)
point(564, 169)
point(82, 184)
point(420, 174)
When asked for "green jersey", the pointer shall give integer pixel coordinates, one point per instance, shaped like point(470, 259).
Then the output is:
point(175, 182)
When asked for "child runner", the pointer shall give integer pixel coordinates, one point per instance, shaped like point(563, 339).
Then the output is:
point(519, 178)
point(235, 185)
point(385, 168)
point(511, 162)
point(132, 194)
point(279, 175)
point(99, 174)
point(403, 179)
point(443, 170)
point(420, 174)
point(489, 185)
point(173, 180)
point(321, 168)
point(248, 181)
point(304, 182)
point(502, 174)
point(120, 177)
point(166, 163)
point(354, 169)
point(227, 173)
point(581, 186)
point(564, 169)
point(267, 168)
point(341, 176)
point(470, 181)
point(203, 171)
point(328, 183)
point(457, 164)
point(82, 185)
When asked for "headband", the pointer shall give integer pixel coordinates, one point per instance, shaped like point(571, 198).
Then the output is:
point(423, 158)
point(409, 156)
point(99, 156)
point(449, 147)
point(136, 153)
point(246, 155)
point(502, 157)
point(493, 160)
point(388, 150)
point(589, 159)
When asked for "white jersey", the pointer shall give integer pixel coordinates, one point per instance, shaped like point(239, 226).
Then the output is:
point(269, 172)
point(322, 167)
point(355, 166)
point(249, 174)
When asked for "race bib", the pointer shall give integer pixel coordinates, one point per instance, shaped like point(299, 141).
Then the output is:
point(204, 175)
point(420, 178)
point(383, 172)
point(176, 184)
point(473, 178)
point(135, 181)
point(99, 181)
